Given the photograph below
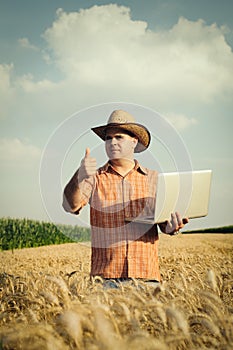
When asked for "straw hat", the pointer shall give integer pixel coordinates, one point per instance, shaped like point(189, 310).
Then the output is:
point(123, 120)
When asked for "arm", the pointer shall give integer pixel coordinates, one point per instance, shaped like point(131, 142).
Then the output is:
point(74, 195)
point(78, 190)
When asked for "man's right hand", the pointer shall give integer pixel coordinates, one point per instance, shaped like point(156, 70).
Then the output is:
point(87, 167)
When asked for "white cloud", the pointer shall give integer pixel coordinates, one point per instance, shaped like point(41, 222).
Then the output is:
point(15, 150)
point(104, 56)
point(24, 42)
point(180, 121)
point(103, 46)
point(6, 88)
point(27, 84)
point(5, 70)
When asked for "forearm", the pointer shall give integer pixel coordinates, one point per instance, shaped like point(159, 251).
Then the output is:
point(72, 195)
point(76, 194)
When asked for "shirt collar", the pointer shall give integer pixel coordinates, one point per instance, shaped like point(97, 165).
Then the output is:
point(137, 167)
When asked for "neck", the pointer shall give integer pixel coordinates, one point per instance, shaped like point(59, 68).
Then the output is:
point(122, 165)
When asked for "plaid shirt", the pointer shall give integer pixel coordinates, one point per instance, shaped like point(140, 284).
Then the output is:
point(121, 248)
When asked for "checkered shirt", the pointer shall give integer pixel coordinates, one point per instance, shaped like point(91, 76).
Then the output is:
point(122, 248)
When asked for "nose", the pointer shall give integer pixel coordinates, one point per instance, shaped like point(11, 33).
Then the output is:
point(113, 141)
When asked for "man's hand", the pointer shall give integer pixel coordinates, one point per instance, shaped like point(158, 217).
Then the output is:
point(87, 167)
point(175, 224)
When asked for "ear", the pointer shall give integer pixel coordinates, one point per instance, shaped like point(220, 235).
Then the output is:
point(135, 142)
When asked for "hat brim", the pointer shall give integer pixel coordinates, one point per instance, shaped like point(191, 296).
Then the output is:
point(138, 130)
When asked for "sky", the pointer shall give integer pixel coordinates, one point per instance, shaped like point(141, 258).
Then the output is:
point(65, 65)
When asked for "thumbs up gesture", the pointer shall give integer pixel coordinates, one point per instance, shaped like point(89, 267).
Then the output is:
point(87, 167)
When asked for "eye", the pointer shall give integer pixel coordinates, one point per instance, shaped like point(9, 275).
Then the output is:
point(119, 137)
point(107, 138)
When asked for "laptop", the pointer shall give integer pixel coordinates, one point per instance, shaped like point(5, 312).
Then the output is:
point(184, 192)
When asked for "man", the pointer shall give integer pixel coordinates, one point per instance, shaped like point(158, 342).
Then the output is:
point(120, 190)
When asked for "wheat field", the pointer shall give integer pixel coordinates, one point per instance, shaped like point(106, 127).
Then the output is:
point(49, 302)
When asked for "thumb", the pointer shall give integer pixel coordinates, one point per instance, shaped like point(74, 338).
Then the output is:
point(87, 153)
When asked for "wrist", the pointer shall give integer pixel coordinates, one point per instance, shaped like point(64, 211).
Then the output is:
point(80, 176)
point(174, 233)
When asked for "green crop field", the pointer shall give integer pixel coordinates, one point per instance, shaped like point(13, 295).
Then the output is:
point(25, 233)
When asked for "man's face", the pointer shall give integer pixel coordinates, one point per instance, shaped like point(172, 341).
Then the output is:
point(119, 145)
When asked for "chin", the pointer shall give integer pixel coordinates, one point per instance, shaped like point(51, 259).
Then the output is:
point(114, 155)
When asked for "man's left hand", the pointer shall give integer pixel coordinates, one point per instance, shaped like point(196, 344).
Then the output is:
point(175, 224)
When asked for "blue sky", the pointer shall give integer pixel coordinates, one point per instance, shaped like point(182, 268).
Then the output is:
point(61, 57)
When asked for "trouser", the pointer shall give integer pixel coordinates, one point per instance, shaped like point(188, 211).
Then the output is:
point(117, 282)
